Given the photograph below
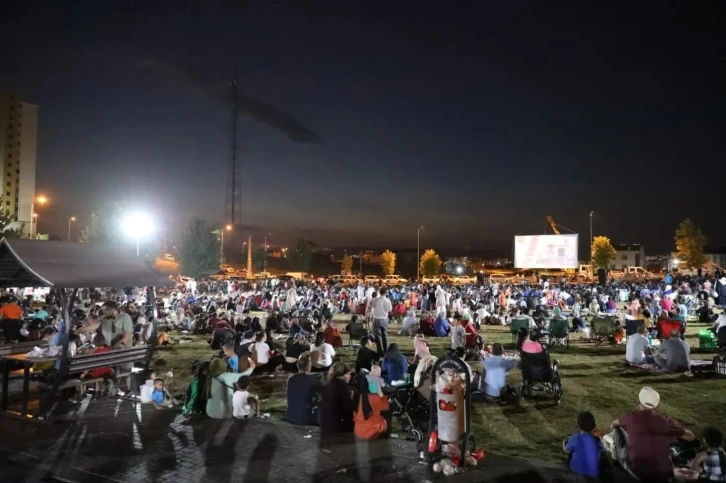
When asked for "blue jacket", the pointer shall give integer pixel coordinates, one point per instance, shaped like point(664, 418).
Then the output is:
point(394, 371)
point(441, 327)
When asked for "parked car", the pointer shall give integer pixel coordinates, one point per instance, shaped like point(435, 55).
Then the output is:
point(169, 257)
point(431, 280)
point(394, 280)
point(263, 275)
point(372, 279)
point(464, 279)
point(227, 268)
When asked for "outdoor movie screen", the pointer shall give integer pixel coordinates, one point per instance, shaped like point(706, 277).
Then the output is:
point(545, 251)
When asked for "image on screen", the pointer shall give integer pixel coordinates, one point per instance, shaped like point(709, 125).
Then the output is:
point(545, 251)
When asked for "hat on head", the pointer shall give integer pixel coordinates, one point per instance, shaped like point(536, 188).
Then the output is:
point(649, 397)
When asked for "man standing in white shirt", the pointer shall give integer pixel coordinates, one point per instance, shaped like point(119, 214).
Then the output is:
point(380, 309)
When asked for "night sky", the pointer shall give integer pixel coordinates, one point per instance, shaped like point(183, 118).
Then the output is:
point(475, 119)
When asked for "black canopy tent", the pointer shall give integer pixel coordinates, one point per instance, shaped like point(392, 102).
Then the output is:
point(64, 265)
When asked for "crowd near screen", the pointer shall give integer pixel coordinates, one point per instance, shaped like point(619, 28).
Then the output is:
point(545, 251)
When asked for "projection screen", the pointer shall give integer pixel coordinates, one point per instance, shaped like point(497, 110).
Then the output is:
point(545, 251)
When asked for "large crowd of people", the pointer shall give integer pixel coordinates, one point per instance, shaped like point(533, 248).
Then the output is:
point(266, 329)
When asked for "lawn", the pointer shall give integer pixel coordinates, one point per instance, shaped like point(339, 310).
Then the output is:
point(594, 379)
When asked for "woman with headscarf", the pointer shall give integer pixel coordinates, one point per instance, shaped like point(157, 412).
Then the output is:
point(409, 326)
point(335, 413)
point(372, 416)
point(394, 365)
point(220, 389)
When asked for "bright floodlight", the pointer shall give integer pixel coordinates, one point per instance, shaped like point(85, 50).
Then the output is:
point(41, 200)
point(459, 269)
point(137, 225)
point(228, 227)
point(676, 261)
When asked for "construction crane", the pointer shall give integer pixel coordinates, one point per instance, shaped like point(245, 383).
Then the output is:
point(553, 225)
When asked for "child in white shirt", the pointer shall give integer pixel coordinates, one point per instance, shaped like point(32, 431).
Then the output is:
point(244, 404)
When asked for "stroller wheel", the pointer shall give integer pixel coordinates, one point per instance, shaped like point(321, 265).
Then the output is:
point(415, 434)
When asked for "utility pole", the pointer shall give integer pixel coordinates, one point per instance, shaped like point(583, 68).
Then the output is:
point(418, 253)
point(591, 213)
point(249, 257)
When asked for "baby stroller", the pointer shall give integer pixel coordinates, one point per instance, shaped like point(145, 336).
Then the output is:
point(540, 375)
point(411, 410)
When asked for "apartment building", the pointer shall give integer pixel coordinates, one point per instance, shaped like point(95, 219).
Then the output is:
point(18, 144)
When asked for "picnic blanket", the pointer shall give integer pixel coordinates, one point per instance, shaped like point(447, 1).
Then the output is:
point(695, 365)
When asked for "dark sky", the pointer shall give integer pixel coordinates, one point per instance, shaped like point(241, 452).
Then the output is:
point(475, 119)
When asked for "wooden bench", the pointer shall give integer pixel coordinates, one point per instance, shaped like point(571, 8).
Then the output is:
point(88, 362)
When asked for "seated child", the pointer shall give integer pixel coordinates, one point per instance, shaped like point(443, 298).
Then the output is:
point(244, 404)
point(99, 344)
point(232, 359)
point(375, 381)
point(712, 462)
point(160, 398)
point(585, 447)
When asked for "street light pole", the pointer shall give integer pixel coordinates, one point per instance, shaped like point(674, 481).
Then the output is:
point(264, 262)
point(72, 218)
point(591, 213)
point(221, 245)
point(32, 214)
point(418, 253)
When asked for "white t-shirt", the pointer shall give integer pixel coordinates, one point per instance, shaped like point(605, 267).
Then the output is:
point(261, 349)
point(635, 349)
point(325, 355)
point(240, 408)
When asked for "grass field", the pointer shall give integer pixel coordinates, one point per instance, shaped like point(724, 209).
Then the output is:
point(594, 379)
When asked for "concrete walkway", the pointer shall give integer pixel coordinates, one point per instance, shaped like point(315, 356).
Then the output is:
point(114, 440)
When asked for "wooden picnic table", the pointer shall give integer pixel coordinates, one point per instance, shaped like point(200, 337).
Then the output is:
point(27, 363)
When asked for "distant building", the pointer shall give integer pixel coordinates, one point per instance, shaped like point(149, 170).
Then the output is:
point(628, 255)
point(18, 143)
point(717, 256)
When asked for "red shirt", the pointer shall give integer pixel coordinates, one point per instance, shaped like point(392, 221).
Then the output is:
point(649, 442)
point(103, 371)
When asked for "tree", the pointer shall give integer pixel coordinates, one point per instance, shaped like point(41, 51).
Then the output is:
point(104, 224)
point(6, 221)
point(258, 259)
point(690, 241)
point(430, 263)
point(346, 264)
point(198, 248)
point(388, 262)
point(300, 256)
point(602, 252)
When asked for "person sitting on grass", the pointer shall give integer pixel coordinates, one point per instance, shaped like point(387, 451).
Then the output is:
point(495, 368)
point(584, 447)
point(375, 381)
point(303, 391)
point(266, 361)
point(409, 326)
point(421, 349)
point(711, 463)
point(372, 416)
point(322, 353)
point(674, 354)
point(244, 404)
point(332, 334)
point(637, 349)
point(441, 325)
point(395, 364)
point(366, 356)
point(232, 358)
point(336, 405)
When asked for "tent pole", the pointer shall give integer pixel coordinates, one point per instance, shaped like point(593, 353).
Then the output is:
point(151, 301)
point(64, 356)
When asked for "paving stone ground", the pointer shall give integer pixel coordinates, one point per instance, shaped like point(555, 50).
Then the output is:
point(115, 440)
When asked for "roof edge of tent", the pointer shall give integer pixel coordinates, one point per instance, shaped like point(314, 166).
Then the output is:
point(47, 283)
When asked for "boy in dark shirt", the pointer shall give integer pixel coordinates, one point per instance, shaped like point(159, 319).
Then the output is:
point(365, 356)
